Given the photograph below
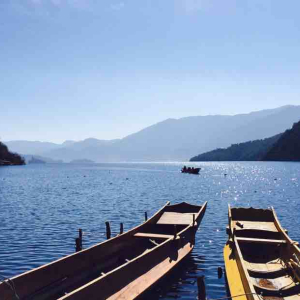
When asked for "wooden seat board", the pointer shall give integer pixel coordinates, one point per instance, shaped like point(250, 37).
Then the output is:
point(153, 235)
point(263, 241)
point(283, 282)
point(268, 226)
point(173, 218)
point(270, 266)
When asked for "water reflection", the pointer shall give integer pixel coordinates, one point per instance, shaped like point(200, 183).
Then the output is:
point(181, 282)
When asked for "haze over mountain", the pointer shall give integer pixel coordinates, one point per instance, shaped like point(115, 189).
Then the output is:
point(172, 139)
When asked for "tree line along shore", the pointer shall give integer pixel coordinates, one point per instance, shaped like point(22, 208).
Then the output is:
point(8, 158)
point(281, 147)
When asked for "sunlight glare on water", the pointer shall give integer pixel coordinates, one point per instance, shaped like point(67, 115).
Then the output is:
point(43, 206)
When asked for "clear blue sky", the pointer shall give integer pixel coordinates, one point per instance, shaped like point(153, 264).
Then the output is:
point(73, 69)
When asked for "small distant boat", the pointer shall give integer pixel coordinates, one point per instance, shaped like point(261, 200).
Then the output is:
point(190, 170)
point(261, 260)
point(123, 267)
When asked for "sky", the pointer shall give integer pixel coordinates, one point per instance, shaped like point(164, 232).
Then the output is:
point(74, 69)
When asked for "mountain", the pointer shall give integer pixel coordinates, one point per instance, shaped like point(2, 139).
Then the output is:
point(248, 151)
point(66, 151)
point(47, 160)
point(82, 161)
point(87, 149)
point(178, 139)
point(35, 160)
point(31, 147)
point(287, 148)
point(9, 158)
point(183, 138)
point(68, 143)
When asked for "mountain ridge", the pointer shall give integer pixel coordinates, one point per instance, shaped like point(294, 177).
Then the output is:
point(247, 151)
point(281, 147)
point(287, 148)
point(179, 139)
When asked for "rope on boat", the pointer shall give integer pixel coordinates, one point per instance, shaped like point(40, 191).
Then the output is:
point(11, 285)
point(259, 295)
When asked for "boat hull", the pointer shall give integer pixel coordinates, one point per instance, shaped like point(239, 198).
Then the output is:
point(194, 171)
point(234, 280)
point(123, 267)
point(139, 275)
point(258, 255)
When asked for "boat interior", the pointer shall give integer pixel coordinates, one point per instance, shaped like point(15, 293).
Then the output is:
point(270, 258)
point(61, 277)
point(179, 215)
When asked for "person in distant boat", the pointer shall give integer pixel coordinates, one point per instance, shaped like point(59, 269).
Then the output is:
point(184, 168)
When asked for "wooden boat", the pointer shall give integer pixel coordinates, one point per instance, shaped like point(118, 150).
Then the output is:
point(190, 170)
point(123, 267)
point(261, 260)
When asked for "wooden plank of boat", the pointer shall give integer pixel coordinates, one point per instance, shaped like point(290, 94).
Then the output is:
point(154, 235)
point(244, 225)
point(121, 267)
point(261, 267)
point(176, 218)
point(263, 241)
point(233, 274)
point(138, 280)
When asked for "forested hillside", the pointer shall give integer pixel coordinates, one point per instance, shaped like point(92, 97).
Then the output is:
point(287, 148)
point(8, 158)
point(249, 151)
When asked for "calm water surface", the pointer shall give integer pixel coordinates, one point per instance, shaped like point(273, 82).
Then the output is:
point(42, 207)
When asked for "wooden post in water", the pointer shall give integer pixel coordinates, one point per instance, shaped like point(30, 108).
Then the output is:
point(80, 237)
point(78, 241)
point(121, 228)
point(77, 245)
point(201, 288)
point(175, 232)
point(220, 272)
point(108, 232)
point(146, 216)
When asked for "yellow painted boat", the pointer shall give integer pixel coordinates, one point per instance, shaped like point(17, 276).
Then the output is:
point(261, 260)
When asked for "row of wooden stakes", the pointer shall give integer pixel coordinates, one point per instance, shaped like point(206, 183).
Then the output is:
point(78, 241)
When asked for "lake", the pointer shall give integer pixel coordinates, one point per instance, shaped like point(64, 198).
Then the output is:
point(43, 206)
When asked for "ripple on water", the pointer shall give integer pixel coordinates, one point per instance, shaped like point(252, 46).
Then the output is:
point(42, 208)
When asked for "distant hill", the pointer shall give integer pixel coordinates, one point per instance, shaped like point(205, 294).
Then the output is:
point(176, 139)
point(43, 158)
point(35, 160)
point(82, 161)
point(31, 147)
point(287, 148)
point(9, 158)
point(248, 151)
